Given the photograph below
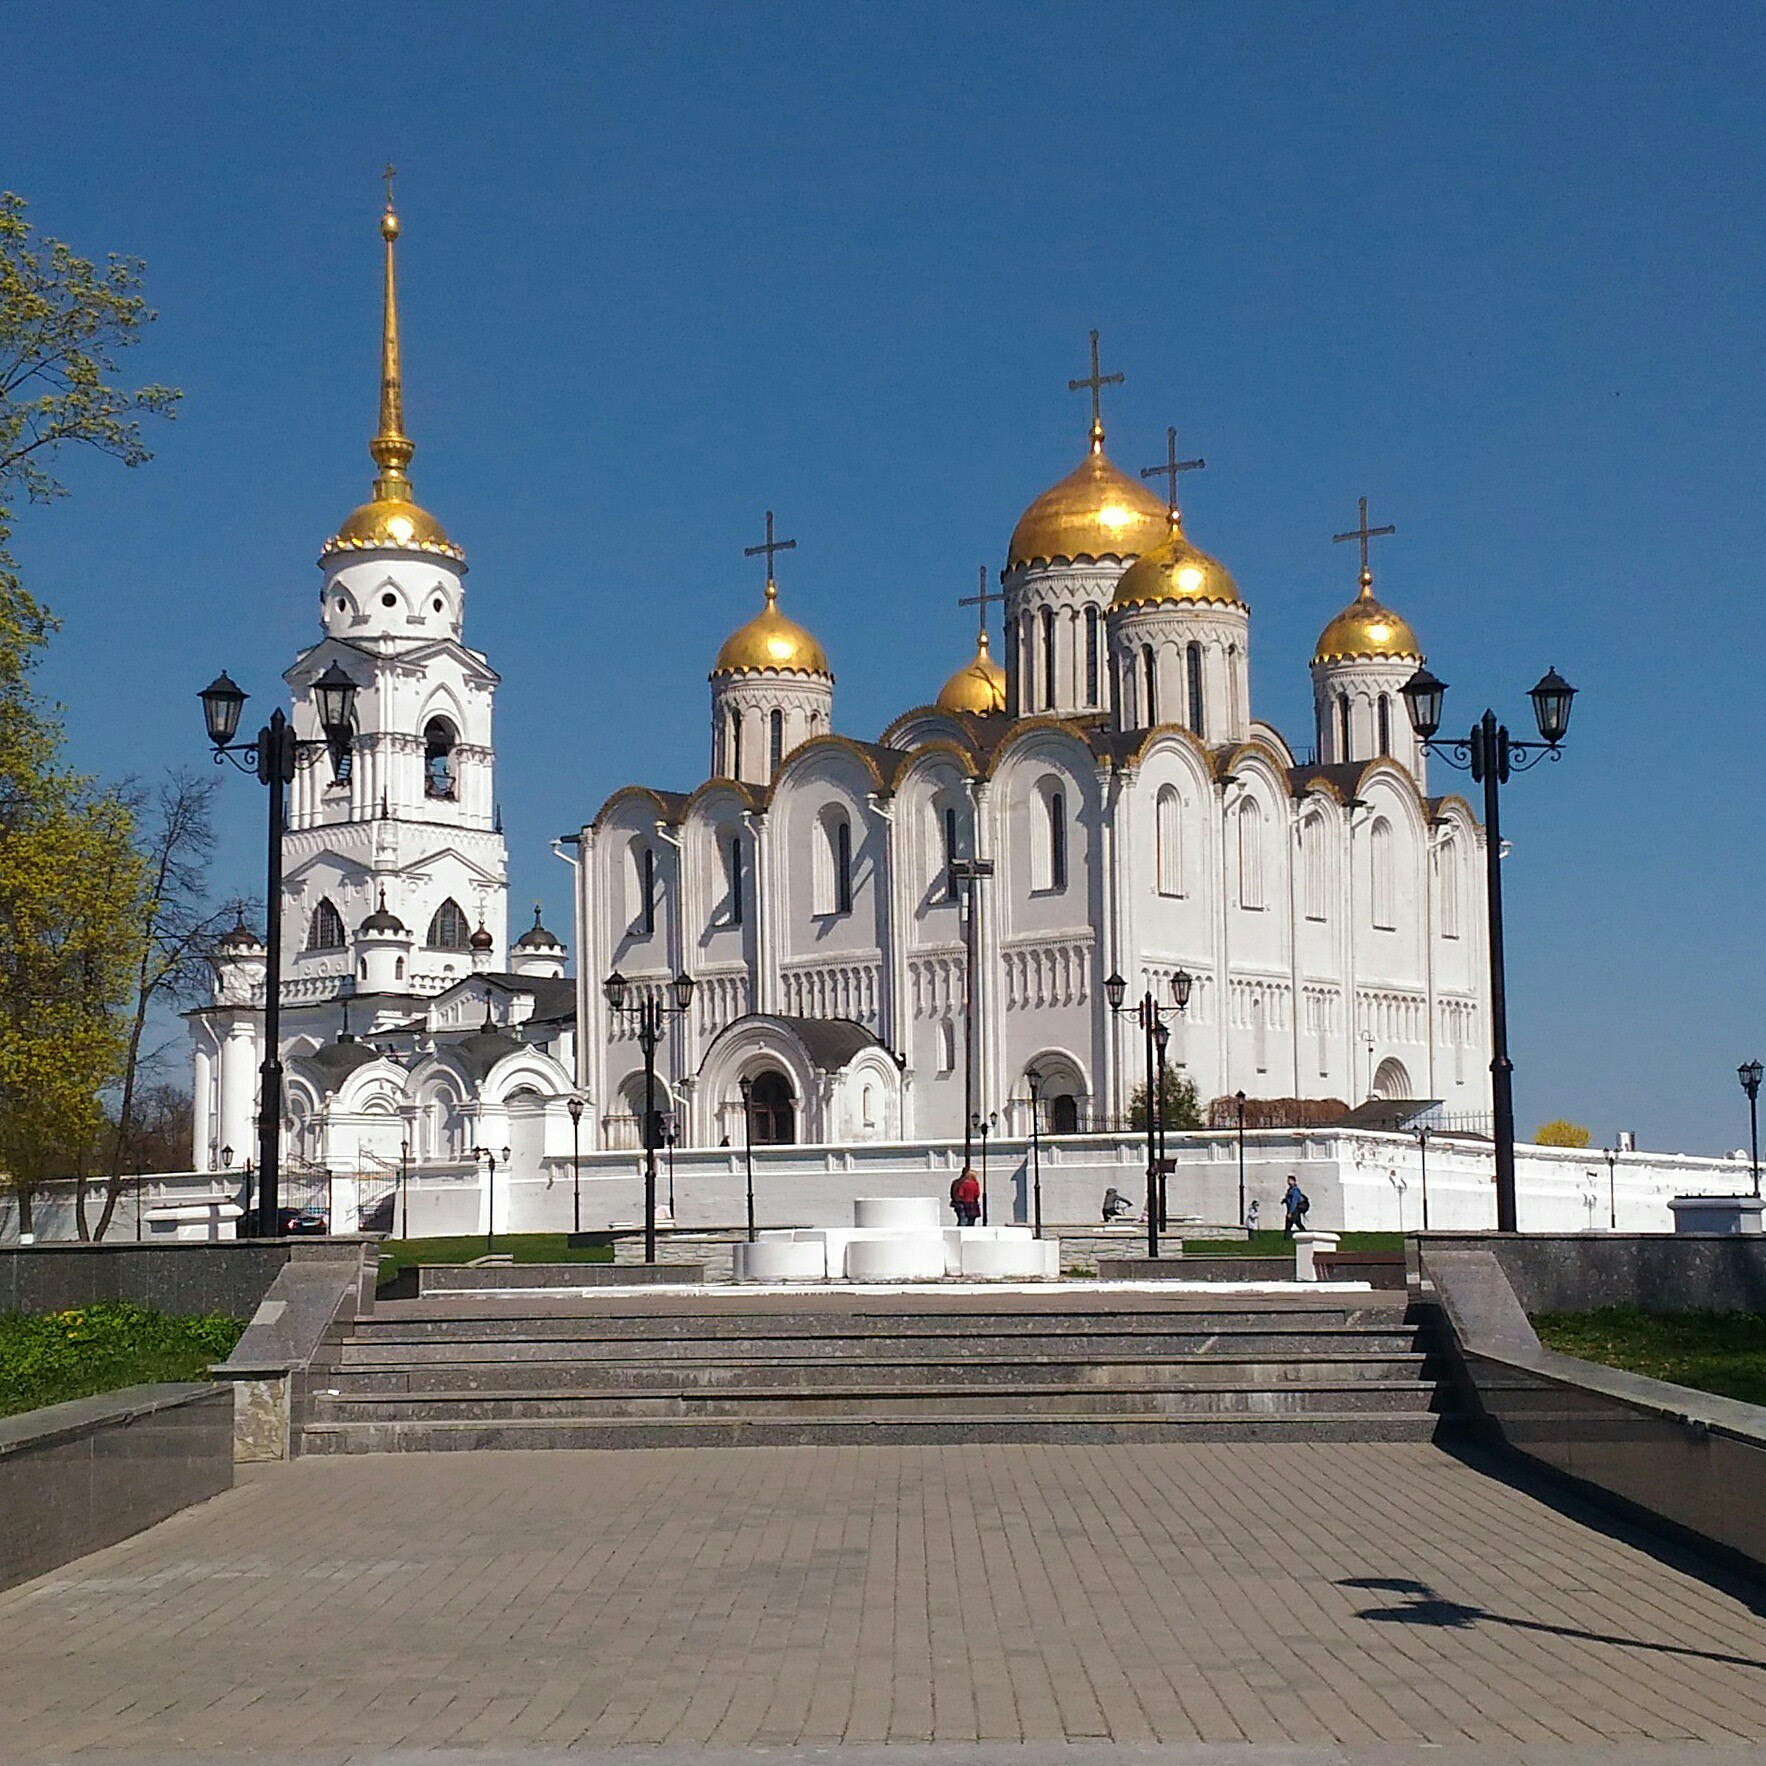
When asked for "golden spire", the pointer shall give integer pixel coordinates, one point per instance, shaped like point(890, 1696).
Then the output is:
point(391, 449)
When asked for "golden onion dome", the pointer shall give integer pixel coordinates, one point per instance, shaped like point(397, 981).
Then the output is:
point(1174, 571)
point(771, 644)
point(1096, 511)
point(978, 686)
point(1365, 629)
point(391, 524)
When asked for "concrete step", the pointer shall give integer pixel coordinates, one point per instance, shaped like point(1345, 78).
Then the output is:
point(792, 1401)
point(1417, 1424)
point(1014, 1372)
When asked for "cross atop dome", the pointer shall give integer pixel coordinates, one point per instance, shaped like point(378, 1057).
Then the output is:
point(1096, 381)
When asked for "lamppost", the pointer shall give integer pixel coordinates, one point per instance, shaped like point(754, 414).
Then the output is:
point(1115, 992)
point(670, 1133)
point(574, 1105)
point(490, 1193)
point(746, 1086)
point(1489, 755)
point(979, 1124)
point(1423, 1132)
point(1033, 1079)
point(404, 1189)
point(1612, 1157)
point(1161, 1038)
point(967, 873)
point(275, 755)
point(1750, 1073)
point(1239, 1099)
point(650, 1013)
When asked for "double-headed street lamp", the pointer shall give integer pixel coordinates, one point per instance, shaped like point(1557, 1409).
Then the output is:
point(276, 754)
point(1489, 755)
point(492, 1160)
point(650, 1013)
point(1152, 1021)
point(1033, 1079)
point(1750, 1074)
point(574, 1105)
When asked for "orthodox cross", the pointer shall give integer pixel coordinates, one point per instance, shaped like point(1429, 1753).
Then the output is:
point(981, 600)
point(1097, 380)
point(389, 174)
point(1364, 533)
point(1172, 467)
point(770, 547)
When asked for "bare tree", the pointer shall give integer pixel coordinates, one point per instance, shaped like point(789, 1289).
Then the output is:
point(180, 928)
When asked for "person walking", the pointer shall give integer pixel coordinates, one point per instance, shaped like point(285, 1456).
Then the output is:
point(1115, 1205)
point(1295, 1203)
point(965, 1197)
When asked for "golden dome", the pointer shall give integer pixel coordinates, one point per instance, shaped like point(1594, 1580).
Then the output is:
point(1175, 571)
point(771, 644)
point(978, 686)
point(1366, 629)
point(392, 524)
point(1096, 511)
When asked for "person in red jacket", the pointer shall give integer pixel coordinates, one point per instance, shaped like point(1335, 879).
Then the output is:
point(965, 1197)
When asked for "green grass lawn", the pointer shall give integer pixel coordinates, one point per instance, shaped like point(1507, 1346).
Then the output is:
point(48, 1357)
point(398, 1254)
point(1722, 1352)
point(1277, 1244)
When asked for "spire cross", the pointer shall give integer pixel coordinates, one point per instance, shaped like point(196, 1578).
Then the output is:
point(389, 174)
point(1361, 531)
point(981, 600)
point(1097, 380)
point(1169, 471)
point(769, 548)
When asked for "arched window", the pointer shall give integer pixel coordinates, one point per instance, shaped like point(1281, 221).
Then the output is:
point(325, 929)
point(1379, 845)
point(949, 823)
point(1320, 729)
point(947, 1046)
point(1091, 656)
point(1198, 711)
point(1312, 867)
point(735, 743)
point(1150, 668)
point(833, 865)
point(776, 728)
point(1344, 746)
point(772, 1112)
point(644, 862)
point(1014, 662)
point(733, 880)
point(1447, 885)
point(1385, 721)
point(438, 759)
point(448, 929)
point(843, 866)
point(1168, 835)
point(1049, 868)
point(1251, 893)
point(1048, 659)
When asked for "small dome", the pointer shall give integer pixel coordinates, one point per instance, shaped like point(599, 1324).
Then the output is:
point(1366, 629)
point(1096, 511)
point(481, 939)
point(241, 941)
point(771, 644)
point(391, 524)
point(383, 921)
point(978, 686)
point(1174, 571)
point(537, 937)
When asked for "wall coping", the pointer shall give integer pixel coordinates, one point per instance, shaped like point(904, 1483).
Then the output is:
point(73, 1417)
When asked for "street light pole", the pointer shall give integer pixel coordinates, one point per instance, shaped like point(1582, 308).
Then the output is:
point(746, 1086)
point(275, 756)
point(650, 1013)
point(1239, 1099)
point(490, 1195)
point(1161, 1037)
point(1033, 1079)
point(967, 873)
point(1115, 993)
point(575, 1106)
point(1422, 1148)
point(1490, 755)
point(1612, 1154)
point(1750, 1073)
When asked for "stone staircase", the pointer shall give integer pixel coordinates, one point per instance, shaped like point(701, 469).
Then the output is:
point(655, 1370)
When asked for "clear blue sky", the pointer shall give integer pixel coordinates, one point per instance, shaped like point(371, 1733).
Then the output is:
point(1497, 267)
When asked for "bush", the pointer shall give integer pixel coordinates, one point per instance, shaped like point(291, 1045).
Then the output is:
point(1178, 1105)
point(48, 1357)
point(1559, 1133)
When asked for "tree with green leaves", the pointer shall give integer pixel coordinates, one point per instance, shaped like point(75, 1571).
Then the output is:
point(1179, 1106)
point(1561, 1133)
point(71, 881)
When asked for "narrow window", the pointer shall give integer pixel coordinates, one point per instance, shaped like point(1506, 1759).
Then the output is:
point(325, 929)
point(1447, 871)
point(1150, 668)
point(1057, 811)
point(1091, 656)
point(1251, 854)
point(1168, 831)
point(1048, 659)
point(950, 855)
point(1344, 746)
point(1320, 729)
point(438, 759)
point(1385, 715)
point(646, 890)
point(448, 929)
point(778, 742)
point(1380, 857)
point(733, 872)
point(843, 866)
point(398, 969)
point(735, 744)
point(947, 1046)
point(1198, 716)
point(1312, 859)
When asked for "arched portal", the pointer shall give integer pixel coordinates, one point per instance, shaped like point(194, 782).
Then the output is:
point(772, 1110)
point(1392, 1080)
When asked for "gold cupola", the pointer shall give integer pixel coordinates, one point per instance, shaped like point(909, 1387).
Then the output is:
point(1367, 630)
point(1175, 572)
point(771, 644)
point(391, 520)
point(979, 686)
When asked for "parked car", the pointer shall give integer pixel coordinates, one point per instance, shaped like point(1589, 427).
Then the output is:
point(302, 1220)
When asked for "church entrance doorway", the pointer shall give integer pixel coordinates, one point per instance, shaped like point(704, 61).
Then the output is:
point(1391, 1081)
point(1064, 1114)
point(773, 1119)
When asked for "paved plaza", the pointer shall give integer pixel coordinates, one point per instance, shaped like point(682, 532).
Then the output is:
point(1331, 1595)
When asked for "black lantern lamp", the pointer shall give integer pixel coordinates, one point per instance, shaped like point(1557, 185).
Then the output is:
point(222, 701)
point(1115, 991)
point(334, 693)
point(1161, 1038)
point(1422, 702)
point(683, 991)
point(650, 1010)
point(1181, 984)
point(1551, 706)
point(614, 988)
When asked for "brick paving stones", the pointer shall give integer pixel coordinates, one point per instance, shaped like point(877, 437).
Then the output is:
point(1333, 1597)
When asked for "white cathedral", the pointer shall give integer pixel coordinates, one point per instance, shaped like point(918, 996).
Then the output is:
point(1138, 819)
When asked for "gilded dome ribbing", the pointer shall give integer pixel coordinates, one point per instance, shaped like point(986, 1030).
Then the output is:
point(771, 644)
point(1366, 629)
point(1096, 511)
